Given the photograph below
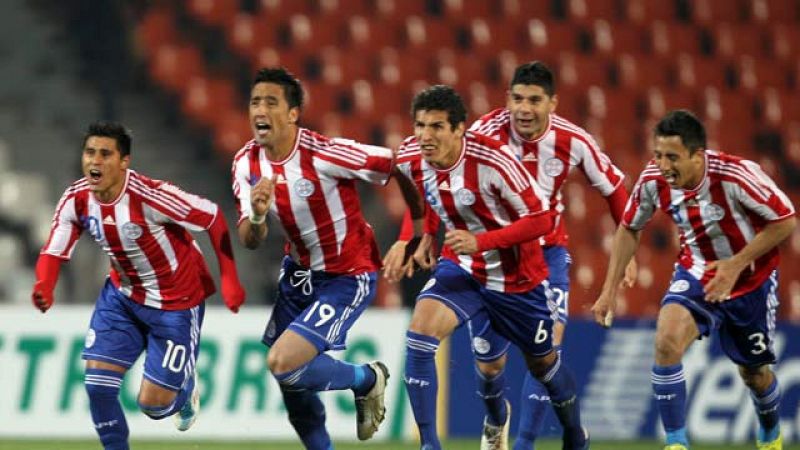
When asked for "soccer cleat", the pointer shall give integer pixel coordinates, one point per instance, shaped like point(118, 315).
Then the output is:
point(676, 447)
point(185, 418)
point(776, 444)
point(495, 437)
point(370, 409)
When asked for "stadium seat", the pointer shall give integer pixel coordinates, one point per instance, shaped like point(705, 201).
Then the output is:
point(219, 13)
point(587, 11)
point(771, 12)
point(421, 33)
point(368, 35)
point(731, 40)
point(280, 10)
point(156, 28)
point(206, 98)
point(658, 101)
point(400, 9)
point(581, 70)
point(784, 41)
point(231, 132)
point(247, 34)
point(402, 68)
point(644, 12)
point(708, 12)
point(307, 36)
point(758, 73)
point(545, 40)
point(464, 10)
point(490, 36)
point(696, 73)
point(667, 39)
point(172, 65)
point(611, 38)
point(638, 72)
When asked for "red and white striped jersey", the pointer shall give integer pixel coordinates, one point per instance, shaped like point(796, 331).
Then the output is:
point(316, 199)
point(551, 157)
point(485, 190)
point(715, 220)
point(155, 261)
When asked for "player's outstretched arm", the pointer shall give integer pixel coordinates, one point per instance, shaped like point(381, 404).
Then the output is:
point(719, 288)
point(625, 243)
point(253, 230)
point(47, 270)
point(232, 292)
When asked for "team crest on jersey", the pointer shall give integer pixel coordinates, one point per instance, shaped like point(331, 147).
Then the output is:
point(481, 345)
point(714, 212)
point(90, 338)
point(553, 167)
point(465, 197)
point(303, 187)
point(132, 231)
point(679, 286)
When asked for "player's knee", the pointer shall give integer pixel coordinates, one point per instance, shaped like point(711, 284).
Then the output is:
point(156, 405)
point(277, 362)
point(490, 369)
point(668, 349)
point(756, 379)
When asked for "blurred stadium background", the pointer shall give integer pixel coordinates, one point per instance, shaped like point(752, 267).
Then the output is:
point(178, 74)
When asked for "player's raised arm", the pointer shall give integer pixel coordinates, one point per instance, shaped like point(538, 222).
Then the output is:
point(253, 228)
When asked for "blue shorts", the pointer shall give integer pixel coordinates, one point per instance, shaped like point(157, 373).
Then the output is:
point(481, 333)
point(746, 324)
point(121, 329)
point(319, 306)
point(525, 319)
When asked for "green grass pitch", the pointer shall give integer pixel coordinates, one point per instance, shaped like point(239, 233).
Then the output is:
point(263, 445)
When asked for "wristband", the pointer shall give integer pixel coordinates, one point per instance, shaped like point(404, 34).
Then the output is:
point(256, 219)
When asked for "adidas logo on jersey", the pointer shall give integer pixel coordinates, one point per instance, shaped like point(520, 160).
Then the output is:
point(109, 221)
point(444, 186)
point(281, 179)
point(530, 157)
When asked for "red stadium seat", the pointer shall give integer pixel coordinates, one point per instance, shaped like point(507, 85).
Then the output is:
point(365, 35)
point(611, 38)
point(421, 33)
point(670, 38)
point(279, 10)
point(400, 9)
point(547, 39)
point(172, 65)
point(658, 101)
point(587, 11)
point(771, 11)
point(402, 68)
point(784, 41)
point(490, 36)
point(696, 72)
point(464, 10)
point(157, 28)
point(218, 13)
point(231, 132)
point(247, 34)
point(639, 72)
point(715, 11)
point(644, 12)
point(758, 73)
point(204, 99)
point(731, 40)
point(580, 70)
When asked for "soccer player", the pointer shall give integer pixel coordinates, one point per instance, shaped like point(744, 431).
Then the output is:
point(730, 217)
point(492, 268)
point(549, 147)
point(154, 296)
point(307, 182)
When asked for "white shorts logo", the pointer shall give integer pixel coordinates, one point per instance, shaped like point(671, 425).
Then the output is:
point(679, 286)
point(303, 187)
point(132, 231)
point(553, 167)
point(714, 212)
point(466, 197)
point(271, 329)
point(481, 345)
point(90, 338)
point(429, 284)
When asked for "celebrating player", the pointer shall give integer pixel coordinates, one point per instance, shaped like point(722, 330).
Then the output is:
point(492, 269)
point(306, 182)
point(154, 296)
point(730, 217)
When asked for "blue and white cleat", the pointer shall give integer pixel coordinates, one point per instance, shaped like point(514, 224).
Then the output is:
point(185, 418)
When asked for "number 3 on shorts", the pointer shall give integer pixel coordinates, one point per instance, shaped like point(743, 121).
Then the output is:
point(326, 313)
point(759, 344)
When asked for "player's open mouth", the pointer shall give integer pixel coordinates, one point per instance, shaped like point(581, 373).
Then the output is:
point(525, 122)
point(95, 176)
point(671, 177)
point(262, 128)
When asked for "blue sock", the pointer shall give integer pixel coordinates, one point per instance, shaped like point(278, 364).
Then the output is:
point(158, 412)
point(560, 384)
point(422, 385)
point(491, 390)
point(669, 387)
point(364, 380)
point(324, 373)
point(768, 409)
point(534, 403)
point(109, 420)
point(307, 416)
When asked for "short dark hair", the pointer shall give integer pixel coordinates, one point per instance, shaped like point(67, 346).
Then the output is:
point(683, 123)
point(440, 98)
point(292, 89)
point(111, 130)
point(535, 72)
